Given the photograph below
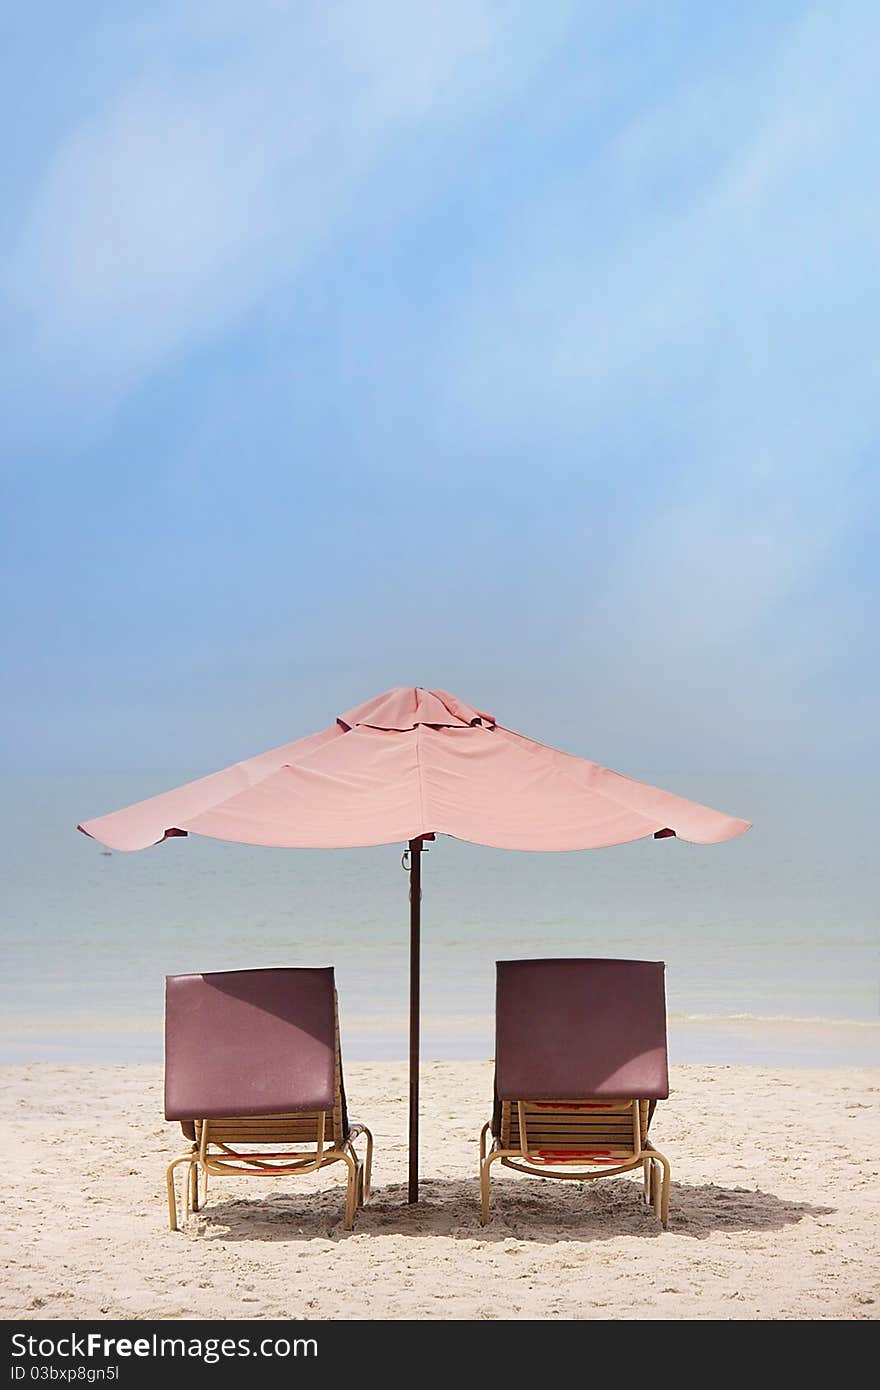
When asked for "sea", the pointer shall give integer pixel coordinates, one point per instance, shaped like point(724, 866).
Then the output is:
point(771, 941)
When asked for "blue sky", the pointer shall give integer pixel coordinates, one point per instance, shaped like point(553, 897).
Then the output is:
point(525, 350)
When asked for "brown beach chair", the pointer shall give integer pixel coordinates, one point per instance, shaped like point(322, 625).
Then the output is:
point(253, 1073)
point(580, 1062)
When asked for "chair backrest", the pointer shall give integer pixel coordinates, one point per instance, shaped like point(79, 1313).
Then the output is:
point(604, 1128)
point(579, 1029)
point(250, 1042)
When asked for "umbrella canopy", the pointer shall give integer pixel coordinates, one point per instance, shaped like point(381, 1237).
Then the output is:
point(406, 766)
point(412, 763)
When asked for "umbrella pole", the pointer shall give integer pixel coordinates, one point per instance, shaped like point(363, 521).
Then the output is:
point(415, 922)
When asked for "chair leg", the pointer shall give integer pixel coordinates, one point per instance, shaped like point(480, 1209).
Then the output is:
point(360, 1185)
point(194, 1186)
point(169, 1185)
point(646, 1174)
point(368, 1166)
point(655, 1189)
point(485, 1176)
point(172, 1199)
point(187, 1194)
point(661, 1176)
point(351, 1191)
point(661, 1204)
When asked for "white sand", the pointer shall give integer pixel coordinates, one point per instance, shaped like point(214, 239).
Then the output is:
point(774, 1209)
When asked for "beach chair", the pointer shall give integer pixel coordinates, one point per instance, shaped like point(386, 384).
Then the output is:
point(580, 1062)
point(253, 1073)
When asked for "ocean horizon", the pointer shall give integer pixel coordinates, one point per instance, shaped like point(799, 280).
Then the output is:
point(770, 941)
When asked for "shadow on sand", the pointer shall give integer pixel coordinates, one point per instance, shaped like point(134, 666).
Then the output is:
point(526, 1211)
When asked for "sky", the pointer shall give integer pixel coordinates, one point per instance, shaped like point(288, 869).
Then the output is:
point(527, 351)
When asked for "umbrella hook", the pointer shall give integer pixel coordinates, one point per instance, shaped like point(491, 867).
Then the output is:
point(407, 868)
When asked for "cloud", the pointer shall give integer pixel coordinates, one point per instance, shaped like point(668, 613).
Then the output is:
point(221, 148)
point(688, 324)
point(602, 319)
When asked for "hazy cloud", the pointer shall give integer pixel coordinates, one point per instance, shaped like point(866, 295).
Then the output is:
point(219, 151)
point(525, 350)
point(699, 313)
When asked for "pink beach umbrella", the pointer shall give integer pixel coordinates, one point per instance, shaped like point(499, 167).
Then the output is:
point(406, 766)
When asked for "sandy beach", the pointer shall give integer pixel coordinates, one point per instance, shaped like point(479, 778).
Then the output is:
point(774, 1180)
